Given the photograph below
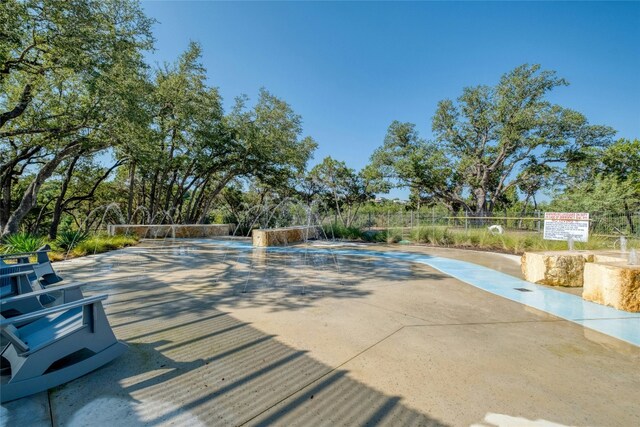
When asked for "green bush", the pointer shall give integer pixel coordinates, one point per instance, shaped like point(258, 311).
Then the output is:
point(339, 231)
point(394, 235)
point(22, 242)
point(375, 236)
point(102, 243)
point(434, 236)
point(69, 239)
point(515, 242)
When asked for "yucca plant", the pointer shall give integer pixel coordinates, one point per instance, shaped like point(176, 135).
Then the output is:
point(69, 239)
point(22, 242)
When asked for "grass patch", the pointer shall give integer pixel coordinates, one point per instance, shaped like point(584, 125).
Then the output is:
point(67, 247)
point(103, 243)
point(515, 242)
point(393, 235)
point(339, 231)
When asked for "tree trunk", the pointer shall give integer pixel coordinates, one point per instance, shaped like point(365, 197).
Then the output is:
point(5, 203)
point(523, 212)
point(627, 214)
point(152, 195)
point(212, 196)
point(57, 209)
point(30, 197)
point(481, 201)
point(7, 176)
point(194, 202)
point(481, 206)
point(169, 192)
point(132, 177)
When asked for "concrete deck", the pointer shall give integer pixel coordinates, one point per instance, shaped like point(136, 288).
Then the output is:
point(222, 336)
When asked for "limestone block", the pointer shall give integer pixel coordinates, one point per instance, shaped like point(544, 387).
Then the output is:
point(283, 236)
point(613, 283)
point(555, 268)
point(609, 256)
point(179, 230)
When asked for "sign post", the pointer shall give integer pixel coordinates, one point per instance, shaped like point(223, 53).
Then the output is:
point(562, 225)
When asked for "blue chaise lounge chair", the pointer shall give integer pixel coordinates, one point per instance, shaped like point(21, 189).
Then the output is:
point(54, 345)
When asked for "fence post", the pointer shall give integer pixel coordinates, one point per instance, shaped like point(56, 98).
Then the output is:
point(466, 224)
point(538, 221)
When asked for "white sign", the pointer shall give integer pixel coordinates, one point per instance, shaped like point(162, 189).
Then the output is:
point(561, 225)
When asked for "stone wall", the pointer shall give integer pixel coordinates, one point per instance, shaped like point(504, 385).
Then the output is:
point(164, 231)
point(283, 236)
point(562, 268)
point(614, 283)
point(555, 268)
point(605, 275)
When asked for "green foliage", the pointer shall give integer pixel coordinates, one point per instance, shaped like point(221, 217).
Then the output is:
point(69, 239)
point(393, 235)
point(21, 242)
point(490, 140)
point(75, 84)
point(71, 78)
point(75, 88)
point(103, 243)
point(602, 194)
point(432, 235)
point(339, 231)
point(479, 239)
point(343, 188)
point(510, 242)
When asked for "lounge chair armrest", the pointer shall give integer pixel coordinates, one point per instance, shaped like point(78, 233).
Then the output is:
point(41, 292)
point(23, 254)
point(47, 311)
point(16, 273)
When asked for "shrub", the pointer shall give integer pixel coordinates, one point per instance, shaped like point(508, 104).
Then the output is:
point(22, 242)
point(436, 236)
point(101, 243)
point(69, 239)
point(375, 236)
point(394, 235)
point(511, 241)
point(341, 232)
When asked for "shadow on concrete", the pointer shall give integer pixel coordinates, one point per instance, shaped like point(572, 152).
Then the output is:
point(192, 364)
point(229, 276)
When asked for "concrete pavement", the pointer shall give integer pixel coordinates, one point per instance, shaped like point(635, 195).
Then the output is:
point(220, 336)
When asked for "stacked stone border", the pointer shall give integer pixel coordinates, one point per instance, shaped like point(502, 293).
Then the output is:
point(169, 230)
point(283, 236)
point(605, 277)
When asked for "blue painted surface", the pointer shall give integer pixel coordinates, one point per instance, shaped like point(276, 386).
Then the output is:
point(607, 320)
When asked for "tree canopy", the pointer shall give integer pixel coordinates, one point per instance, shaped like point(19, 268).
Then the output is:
point(87, 124)
point(491, 139)
point(74, 84)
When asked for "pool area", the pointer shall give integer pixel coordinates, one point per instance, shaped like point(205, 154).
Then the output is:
point(324, 333)
point(607, 320)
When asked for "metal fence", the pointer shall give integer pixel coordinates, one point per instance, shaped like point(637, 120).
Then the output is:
point(606, 224)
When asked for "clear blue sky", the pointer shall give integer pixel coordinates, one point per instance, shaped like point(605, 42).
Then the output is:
point(351, 68)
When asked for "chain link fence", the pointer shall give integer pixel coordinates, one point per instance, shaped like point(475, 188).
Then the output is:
point(604, 224)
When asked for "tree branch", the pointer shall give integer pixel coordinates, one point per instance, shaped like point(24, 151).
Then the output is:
point(23, 103)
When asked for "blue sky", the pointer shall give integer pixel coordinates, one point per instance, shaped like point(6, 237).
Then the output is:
point(351, 68)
